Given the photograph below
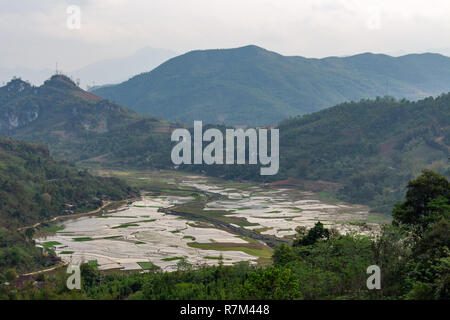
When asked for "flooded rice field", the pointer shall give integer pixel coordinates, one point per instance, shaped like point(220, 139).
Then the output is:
point(138, 237)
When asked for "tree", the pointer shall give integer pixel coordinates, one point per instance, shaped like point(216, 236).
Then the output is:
point(430, 275)
point(29, 233)
point(314, 234)
point(272, 284)
point(283, 255)
point(10, 275)
point(427, 201)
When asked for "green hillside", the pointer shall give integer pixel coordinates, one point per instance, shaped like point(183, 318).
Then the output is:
point(370, 148)
point(77, 125)
point(35, 188)
point(252, 86)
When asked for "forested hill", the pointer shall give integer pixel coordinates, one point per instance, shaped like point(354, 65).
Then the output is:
point(77, 125)
point(58, 109)
point(35, 187)
point(252, 86)
point(372, 147)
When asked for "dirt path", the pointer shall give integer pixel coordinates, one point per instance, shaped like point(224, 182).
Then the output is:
point(71, 216)
point(211, 196)
point(61, 264)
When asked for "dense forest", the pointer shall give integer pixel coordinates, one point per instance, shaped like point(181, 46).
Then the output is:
point(35, 188)
point(371, 148)
point(412, 253)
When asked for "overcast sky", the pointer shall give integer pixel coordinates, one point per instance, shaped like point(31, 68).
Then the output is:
point(34, 33)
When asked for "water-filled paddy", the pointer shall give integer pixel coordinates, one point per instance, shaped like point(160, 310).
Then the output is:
point(136, 236)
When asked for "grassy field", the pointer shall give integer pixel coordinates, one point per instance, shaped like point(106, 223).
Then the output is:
point(147, 266)
point(50, 244)
point(81, 239)
point(254, 249)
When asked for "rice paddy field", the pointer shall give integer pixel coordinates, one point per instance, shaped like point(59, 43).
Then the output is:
point(139, 236)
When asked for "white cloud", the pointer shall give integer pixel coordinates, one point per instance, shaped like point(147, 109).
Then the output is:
point(316, 28)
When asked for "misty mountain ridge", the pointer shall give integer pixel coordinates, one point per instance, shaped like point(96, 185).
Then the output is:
point(253, 86)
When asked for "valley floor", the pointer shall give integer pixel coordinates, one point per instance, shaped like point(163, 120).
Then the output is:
point(142, 235)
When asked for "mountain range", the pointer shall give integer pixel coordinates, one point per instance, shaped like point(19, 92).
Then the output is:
point(253, 86)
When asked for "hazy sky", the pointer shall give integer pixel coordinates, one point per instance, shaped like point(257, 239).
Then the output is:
point(34, 33)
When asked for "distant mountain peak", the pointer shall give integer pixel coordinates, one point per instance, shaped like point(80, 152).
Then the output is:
point(61, 81)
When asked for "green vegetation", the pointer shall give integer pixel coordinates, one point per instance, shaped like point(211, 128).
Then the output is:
point(50, 244)
point(82, 239)
point(213, 258)
point(125, 225)
point(147, 266)
point(107, 216)
point(172, 258)
point(362, 152)
point(52, 229)
point(93, 263)
point(35, 188)
point(254, 249)
point(81, 127)
point(382, 146)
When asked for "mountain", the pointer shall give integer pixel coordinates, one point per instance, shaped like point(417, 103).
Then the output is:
point(121, 69)
point(77, 125)
point(57, 108)
point(252, 86)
